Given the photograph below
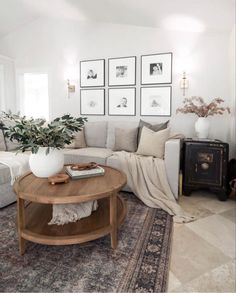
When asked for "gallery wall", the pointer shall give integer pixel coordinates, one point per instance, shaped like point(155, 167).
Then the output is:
point(58, 46)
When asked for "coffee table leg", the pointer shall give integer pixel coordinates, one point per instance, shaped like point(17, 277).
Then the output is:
point(113, 220)
point(21, 223)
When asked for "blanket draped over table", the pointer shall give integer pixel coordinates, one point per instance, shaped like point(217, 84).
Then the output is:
point(146, 177)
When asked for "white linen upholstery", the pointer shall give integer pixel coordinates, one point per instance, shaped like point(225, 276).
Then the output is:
point(172, 163)
point(85, 155)
point(110, 143)
point(96, 134)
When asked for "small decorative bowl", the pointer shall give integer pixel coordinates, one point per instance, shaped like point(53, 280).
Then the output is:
point(58, 178)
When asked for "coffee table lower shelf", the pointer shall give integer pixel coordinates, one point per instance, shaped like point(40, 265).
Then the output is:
point(37, 217)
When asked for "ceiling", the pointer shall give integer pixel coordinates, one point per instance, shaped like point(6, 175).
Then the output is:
point(190, 15)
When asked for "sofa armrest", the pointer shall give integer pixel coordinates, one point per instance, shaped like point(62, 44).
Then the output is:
point(172, 164)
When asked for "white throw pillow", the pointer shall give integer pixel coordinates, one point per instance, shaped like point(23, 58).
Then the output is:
point(153, 143)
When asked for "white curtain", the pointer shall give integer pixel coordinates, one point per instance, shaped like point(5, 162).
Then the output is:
point(2, 90)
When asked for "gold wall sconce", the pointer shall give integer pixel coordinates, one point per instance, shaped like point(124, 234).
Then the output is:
point(70, 87)
point(184, 83)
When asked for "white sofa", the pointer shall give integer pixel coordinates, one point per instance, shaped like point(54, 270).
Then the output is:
point(100, 140)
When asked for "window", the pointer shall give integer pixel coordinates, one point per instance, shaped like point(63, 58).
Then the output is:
point(2, 97)
point(34, 95)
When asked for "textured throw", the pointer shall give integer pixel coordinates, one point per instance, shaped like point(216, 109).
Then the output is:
point(18, 163)
point(67, 213)
point(139, 264)
point(146, 176)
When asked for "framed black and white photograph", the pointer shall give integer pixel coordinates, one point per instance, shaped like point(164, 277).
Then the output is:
point(155, 101)
point(156, 68)
point(122, 101)
point(92, 102)
point(122, 71)
point(92, 73)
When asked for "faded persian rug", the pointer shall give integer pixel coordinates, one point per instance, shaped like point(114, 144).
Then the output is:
point(139, 264)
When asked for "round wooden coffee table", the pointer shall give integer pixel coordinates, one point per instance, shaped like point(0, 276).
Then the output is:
point(35, 197)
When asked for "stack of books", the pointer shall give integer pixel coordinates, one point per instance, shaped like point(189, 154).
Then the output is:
point(79, 174)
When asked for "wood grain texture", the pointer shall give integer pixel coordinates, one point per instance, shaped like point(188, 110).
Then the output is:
point(95, 226)
point(33, 219)
point(39, 190)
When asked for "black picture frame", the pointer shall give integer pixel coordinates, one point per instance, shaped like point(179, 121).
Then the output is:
point(170, 101)
point(92, 83)
point(158, 79)
point(109, 103)
point(104, 102)
point(133, 74)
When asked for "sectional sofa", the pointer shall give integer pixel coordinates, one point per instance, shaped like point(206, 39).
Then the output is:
point(100, 142)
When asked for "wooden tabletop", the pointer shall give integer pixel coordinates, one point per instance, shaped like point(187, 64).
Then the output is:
point(39, 190)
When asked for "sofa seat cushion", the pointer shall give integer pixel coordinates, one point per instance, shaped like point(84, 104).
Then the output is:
point(85, 155)
point(5, 175)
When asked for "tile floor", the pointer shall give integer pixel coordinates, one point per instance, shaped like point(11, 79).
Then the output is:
point(203, 252)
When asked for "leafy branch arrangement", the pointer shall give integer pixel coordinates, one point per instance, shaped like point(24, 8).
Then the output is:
point(34, 133)
point(197, 106)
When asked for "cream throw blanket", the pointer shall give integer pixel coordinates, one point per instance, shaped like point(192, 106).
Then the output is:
point(146, 176)
point(67, 213)
point(18, 164)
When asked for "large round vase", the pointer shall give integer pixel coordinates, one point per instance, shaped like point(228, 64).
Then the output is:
point(202, 127)
point(44, 165)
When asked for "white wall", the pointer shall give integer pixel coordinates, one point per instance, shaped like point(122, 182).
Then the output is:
point(232, 133)
point(7, 84)
point(56, 44)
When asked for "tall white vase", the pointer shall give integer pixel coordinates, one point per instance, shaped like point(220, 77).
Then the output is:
point(202, 127)
point(44, 165)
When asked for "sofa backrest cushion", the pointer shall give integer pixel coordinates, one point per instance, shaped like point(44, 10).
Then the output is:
point(78, 142)
point(10, 145)
point(96, 134)
point(112, 125)
point(126, 139)
point(2, 142)
point(154, 127)
point(153, 143)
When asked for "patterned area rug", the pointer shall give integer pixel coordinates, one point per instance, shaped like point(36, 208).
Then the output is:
point(139, 264)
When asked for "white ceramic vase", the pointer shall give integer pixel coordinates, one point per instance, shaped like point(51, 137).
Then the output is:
point(44, 165)
point(202, 127)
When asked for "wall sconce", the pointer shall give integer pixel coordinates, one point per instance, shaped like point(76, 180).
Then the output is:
point(71, 87)
point(184, 83)
point(70, 76)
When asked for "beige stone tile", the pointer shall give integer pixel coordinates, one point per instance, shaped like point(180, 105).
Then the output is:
point(173, 282)
point(192, 256)
point(230, 215)
point(193, 209)
point(220, 279)
point(217, 206)
point(198, 196)
point(218, 231)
